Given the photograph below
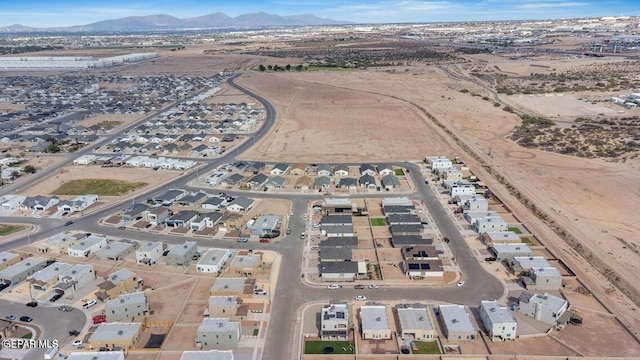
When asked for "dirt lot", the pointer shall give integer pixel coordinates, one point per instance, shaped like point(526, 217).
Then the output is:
point(311, 114)
point(124, 119)
point(149, 176)
point(535, 346)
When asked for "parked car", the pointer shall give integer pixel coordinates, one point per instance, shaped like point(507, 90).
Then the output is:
point(121, 227)
point(10, 317)
point(55, 297)
point(242, 240)
point(264, 240)
point(373, 286)
point(26, 318)
point(259, 292)
point(288, 231)
point(361, 298)
point(89, 304)
point(359, 287)
point(77, 342)
point(32, 304)
point(333, 287)
point(490, 258)
point(446, 239)
point(303, 235)
point(65, 308)
point(460, 283)
point(74, 333)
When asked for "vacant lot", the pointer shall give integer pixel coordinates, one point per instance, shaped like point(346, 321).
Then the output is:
point(312, 115)
point(101, 187)
point(6, 229)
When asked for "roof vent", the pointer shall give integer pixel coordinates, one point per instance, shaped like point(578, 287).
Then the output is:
point(120, 332)
point(378, 319)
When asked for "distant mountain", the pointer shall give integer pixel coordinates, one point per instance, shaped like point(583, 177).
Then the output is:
point(216, 20)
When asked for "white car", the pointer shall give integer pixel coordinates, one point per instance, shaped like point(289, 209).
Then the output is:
point(89, 304)
point(361, 298)
point(373, 286)
point(77, 342)
point(460, 283)
point(291, 213)
point(304, 216)
point(316, 225)
point(333, 287)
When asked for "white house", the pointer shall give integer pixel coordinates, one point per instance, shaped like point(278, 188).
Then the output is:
point(498, 321)
point(490, 223)
point(438, 162)
point(84, 160)
point(87, 246)
point(461, 188)
point(543, 307)
point(11, 202)
point(76, 277)
point(77, 203)
point(213, 260)
point(149, 253)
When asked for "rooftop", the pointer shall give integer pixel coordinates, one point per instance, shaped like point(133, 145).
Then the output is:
point(213, 256)
point(245, 261)
point(414, 319)
point(529, 262)
point(7, 256)
point(222, 300)
point(116, 248)
point(115, 331)
point(497, 314)
point(150, 246)
point(182, 249)
point(88, 242)
point(374, 317)
point(127, 299)
point(456, 318)
point(20, 267)
point(96, 355)
point(207, 355)
point(218, 325)
point(51, 271)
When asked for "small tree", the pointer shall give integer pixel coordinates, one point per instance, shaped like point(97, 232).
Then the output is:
point(299, 67)
point(29, 169)
point(262, 68)
point(288, 67)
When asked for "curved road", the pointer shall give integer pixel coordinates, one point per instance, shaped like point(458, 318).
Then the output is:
point(292, 294)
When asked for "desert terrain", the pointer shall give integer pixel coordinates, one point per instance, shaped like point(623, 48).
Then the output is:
point(592, 199)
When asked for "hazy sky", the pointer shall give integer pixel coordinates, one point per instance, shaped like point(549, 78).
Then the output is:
point(47, 13)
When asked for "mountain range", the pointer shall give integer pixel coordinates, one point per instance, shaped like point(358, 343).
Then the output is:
point(216, 20)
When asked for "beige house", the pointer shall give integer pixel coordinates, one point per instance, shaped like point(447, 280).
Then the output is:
point(239, 287)
point(415, 323)
point(117, 283)
point(304, 183)
point(227, 307)
point(7, 259)
point(298, 169)
point(115, 335)
point(59, 243)
point(245, 263)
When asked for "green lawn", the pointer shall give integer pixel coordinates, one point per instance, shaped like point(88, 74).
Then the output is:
point(317, 347)
point(377, 222)
point(515, 230)
point(526, 240)
point(100, 187)
point(113, 123)
point(424, 347)
point(255, 332)
point(399, 172)
point(6, 229)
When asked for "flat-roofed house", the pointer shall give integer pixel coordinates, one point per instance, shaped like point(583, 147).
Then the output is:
point(87, 246)
point(213, 260)
point(455, 322)
point(158, 215)
point(76, 277)
point(58, 243)
point(510, 251)
point(116, 251)
point(97, 355)
point(115, 335)
point(500, 237)
point(498, 321)
point(542, 279)
point(334, 322)
point(374, 322)
point(245, 263)
point(415, 323)
point(490, 223)
point(150, 252)
point(543, 307)
point(47, 277)
point(119, 282)
point(7, 259)
point(228, 306)
point(126, 307)
point(181, 255)
point(240, 287)
point(21, 270)
point(218, 333)
point(11, 202)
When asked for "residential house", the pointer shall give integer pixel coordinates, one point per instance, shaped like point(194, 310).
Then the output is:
point(525, 264)
point(304, 183)
point(39, 203)
point(59, 243)
point(21, 270)
point(341, 170)
point(227, 306)
point(348, 242)
point(279, 169)
point(390, 182)
point(498, 321)
point(115, 335)
point(213, 260)
point(47, 277)
point(374, 322)
point(328, 254)
point(217, 333)
point(400, 241)
point(208, 220)
point(240, 203)
point(347, 183)
point(334, 322)
point(340, 271)
point(257, 181)
point(87, 246)
point(158, 215)
point(367, 181)
point(150, 252)
point(126, 307)
point(76, 277)
point(11, 202)
point(510, 251)
point(194, 199)
point(322, 183)
point(181, 255)
point(116, 250)
point(338, 205)
point(233, 179)
point(181, 218)
point(134, 213)
point(455, 322)
point(84, 160)
point(7, 259)
point(414, 323)
point(367, 169)
point(385, 169)
point(169, 197)
point(238, 286)
point(214, 203)
point(476, 204)
point(490, 223)
point(406, 230)
point(298, 169)
point(205, 355)
point(325, 170)
point(500, 237)
point(265, 225)
point(403, 219)
point(119, 282)
point(255, 167)
point(462, 187)
point(543, 307)
point(276, 182)
point(438, 162)
point(542, 279)
point(245, 263)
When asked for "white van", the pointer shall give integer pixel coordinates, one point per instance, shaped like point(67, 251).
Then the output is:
point(89, 304)
point(50, 353)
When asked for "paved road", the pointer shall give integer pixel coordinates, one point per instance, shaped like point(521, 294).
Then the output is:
point(46, 314)
point(292, 293)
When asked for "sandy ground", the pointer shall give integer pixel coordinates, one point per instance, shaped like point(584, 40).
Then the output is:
point(593, 199)
point(311, 116)
point(124, 119)
point(149, 176)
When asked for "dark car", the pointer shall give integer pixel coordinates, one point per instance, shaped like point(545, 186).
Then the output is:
point(490, 258)
point(359, 287)
point(55, 297)
point(122, 227)
point(165, 253)
point(32, 304)
point(4, 286)
point(26, 318)
point(74, 333)
point(67, 223)
point(446, 239)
